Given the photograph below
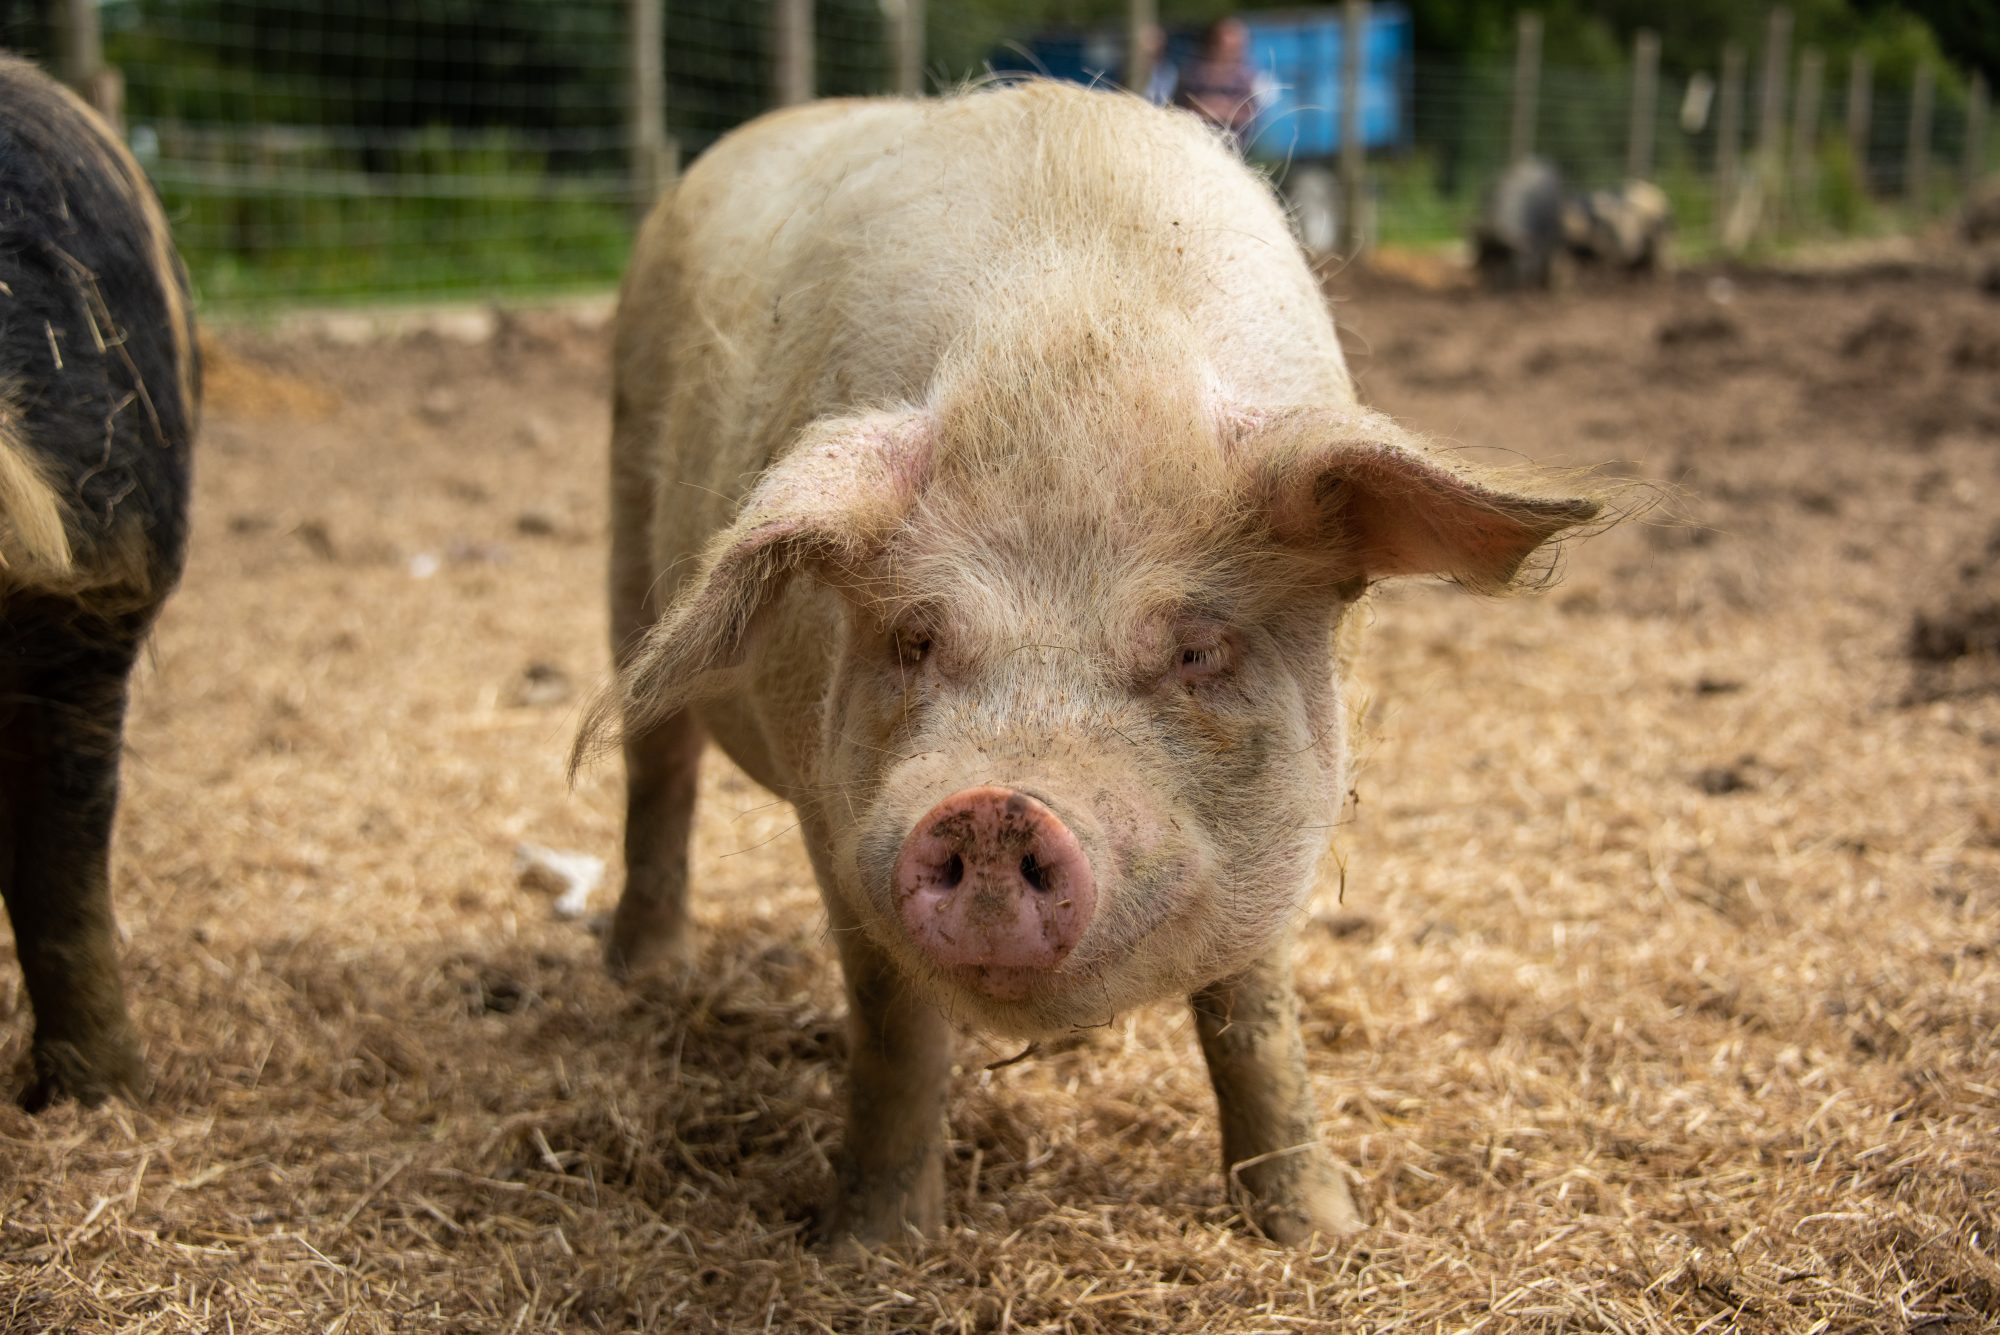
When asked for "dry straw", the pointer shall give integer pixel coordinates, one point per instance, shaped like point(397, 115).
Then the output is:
point(1663, 996)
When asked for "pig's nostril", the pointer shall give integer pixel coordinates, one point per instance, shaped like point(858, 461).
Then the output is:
point(1034, 873)
point(954, 872)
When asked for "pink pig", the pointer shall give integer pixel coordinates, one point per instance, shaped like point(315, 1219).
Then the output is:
point(988, 483)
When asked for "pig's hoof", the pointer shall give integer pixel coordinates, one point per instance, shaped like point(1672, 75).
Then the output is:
point(847, 1244)
point(853, 1229)
point(634, 950)
point(1310, 1204)
point(859, 1222)
point(88, 1073)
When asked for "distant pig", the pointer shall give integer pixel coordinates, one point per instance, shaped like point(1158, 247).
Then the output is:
point(987, 481)
point(1624, 230)
point(1520, 232)
point(98, 389)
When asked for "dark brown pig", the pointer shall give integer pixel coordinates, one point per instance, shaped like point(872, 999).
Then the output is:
point(98, 390)
point(988, 482)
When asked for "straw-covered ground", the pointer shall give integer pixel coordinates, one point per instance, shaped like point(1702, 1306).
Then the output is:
point(1665, 992)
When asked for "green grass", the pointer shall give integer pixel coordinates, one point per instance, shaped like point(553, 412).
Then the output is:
point(437, 216)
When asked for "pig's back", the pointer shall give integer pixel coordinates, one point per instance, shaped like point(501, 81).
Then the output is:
point(834, 253)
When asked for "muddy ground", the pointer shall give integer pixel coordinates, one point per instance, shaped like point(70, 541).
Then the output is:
point(1662, 993)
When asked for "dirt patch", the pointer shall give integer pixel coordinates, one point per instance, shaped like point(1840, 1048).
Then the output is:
point(1430, 270)
point(1697, 329)
point(1954, 643)
point(1965, 630)
point(1969, 629)
point(1605, 1049)
point(1887, 338)
point(237, 383)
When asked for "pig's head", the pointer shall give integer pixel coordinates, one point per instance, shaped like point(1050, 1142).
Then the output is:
point(1082, 740)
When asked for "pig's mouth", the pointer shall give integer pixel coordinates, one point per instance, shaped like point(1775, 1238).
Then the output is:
point(1001, 982)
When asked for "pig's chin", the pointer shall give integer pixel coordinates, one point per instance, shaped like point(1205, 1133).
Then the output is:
point(1133, 958)
point(1162, 938)
point(1030, 1004)
point(1091, 987)
point(1018, 1003)
point(1021, 1003)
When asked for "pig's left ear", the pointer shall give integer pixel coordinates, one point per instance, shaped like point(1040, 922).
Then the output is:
point(830, 503)
point(1357, 495)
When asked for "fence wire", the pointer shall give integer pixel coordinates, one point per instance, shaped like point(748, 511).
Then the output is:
point(404, 148)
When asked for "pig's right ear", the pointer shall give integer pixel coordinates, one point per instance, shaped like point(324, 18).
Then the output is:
point(831, 503)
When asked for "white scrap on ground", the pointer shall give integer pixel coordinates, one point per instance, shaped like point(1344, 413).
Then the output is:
point(570, 877)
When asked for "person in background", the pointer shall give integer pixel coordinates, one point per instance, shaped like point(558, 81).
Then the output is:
point(1162, 78)
point(1218, 84)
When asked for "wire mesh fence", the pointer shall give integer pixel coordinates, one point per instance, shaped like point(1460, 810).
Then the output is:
point(1797, 185)
point(376, 149)
point(316, 150)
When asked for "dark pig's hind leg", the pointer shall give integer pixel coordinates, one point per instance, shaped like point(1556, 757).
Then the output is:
point(62, 710)
point(1287, 1184)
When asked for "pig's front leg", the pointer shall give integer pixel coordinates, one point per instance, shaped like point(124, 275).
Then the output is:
point(891, 1172)
point(1286, 1182)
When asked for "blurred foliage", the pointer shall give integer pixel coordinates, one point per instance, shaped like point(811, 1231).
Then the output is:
point(1967, 30)
point(551, 65)
point(1841, 195)
point(322, 147)
point(443, 211)
point(1596, 34)
point(1578, 34)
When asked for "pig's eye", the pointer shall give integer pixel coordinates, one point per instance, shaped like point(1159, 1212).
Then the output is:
point(1202, 662)
point(910, 647)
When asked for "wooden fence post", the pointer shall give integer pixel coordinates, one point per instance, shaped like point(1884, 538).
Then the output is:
point(908, 35)
point(1975, 133)
point(1860, 107)
point(1917, 153)
point(645, 36)
point(1142, 19)
point(792, 61)
point(1527, 76)
point(1645, 105)
point(1771, 115)
point(1728, 135)
point(80, 57)
point(1353, 36)
point(1805, 129)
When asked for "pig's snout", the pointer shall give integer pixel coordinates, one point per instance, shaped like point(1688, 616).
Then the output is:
point(992, 885)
